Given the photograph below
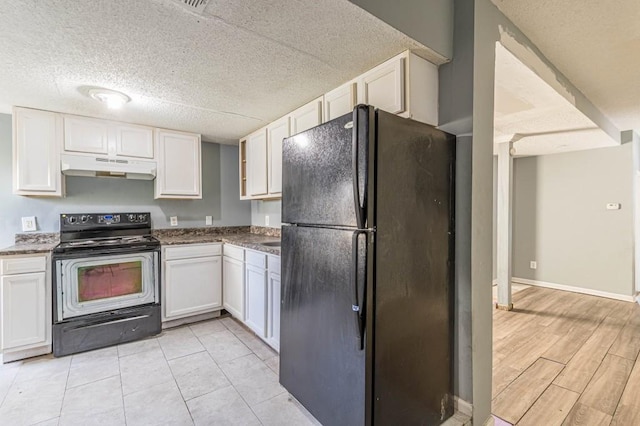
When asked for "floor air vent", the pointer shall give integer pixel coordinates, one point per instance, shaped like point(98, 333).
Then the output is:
point(194, 5)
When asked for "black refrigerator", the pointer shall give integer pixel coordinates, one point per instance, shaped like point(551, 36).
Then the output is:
point(367, 270)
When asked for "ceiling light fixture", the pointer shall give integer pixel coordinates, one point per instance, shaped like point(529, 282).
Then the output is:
point(113, 99)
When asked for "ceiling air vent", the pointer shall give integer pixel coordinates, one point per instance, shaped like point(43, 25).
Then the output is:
point(194, 5)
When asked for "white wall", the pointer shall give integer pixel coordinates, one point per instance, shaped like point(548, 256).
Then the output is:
point(560, 219)
point(85, 194)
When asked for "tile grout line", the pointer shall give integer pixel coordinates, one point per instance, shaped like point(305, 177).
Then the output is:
point(625, 386)
point(64, 393)
point(227, 377)
point(175, 382)
point(124, 409)
point(13, 381)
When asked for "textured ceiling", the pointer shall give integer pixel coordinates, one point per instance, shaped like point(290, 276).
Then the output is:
point(223, 73)
point(532, 114)
point(594, 43)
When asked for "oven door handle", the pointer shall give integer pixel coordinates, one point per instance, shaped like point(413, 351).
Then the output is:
point(100, 324)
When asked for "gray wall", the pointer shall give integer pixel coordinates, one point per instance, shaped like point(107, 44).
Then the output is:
point(219, 184)
point(560, 219)
point(429, 22)
point(261, 209)
point(456, 117)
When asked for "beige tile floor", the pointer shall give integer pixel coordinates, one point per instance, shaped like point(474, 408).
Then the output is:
point(210, 373)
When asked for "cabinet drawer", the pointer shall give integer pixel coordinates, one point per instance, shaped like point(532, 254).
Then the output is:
point(274, 264)
point(256, 259)
point(23, 265)
point(234, 252)
point(192, 250)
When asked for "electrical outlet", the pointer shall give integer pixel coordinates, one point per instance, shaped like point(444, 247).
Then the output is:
point(28, 223)
point(533, 264)
point(208, 220)
point(614, 206)
point(266, 220)
point(174, 220)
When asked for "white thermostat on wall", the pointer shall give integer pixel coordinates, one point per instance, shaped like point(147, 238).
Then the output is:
point(614, 206)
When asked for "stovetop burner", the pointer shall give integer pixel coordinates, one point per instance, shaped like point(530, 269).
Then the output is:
point(98, 242)
point(96, 231)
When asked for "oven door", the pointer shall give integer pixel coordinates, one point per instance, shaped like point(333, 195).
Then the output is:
point(101, 283)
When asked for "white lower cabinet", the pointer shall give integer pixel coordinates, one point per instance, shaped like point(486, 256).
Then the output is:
point(273, 303)
point(191, 280)
point(25, 288)
point(233, 281)
point(256, 292)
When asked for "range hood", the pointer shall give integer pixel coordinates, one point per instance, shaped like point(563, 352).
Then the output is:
point(86, 165)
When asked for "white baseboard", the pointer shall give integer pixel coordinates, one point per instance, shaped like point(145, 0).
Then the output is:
point(462, 406)
point(581, 290)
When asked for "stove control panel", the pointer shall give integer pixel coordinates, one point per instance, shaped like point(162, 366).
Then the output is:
point(99, 220)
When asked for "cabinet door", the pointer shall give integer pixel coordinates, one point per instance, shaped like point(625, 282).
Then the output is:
point(86, 135)
point(256, 303)
point(273, 311)
point(257, 163)
point(133, 141)
point(306, 117)
point(339, 101)
point(383, 86)
point(276, 132)
point(233, 287)
point(179, 168)
point(24, 310)
point(192, 286)
point(37, 140)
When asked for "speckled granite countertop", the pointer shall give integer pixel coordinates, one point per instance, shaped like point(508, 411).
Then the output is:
point(251, 237)
point(32, 243)
point(247, 237)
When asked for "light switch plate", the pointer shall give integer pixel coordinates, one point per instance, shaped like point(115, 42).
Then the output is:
point(533, 264)
point(208, 220)
point(29, 223)
point(174, 220)
point(266, 220)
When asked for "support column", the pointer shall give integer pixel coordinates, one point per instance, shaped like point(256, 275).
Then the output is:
point(504, 216)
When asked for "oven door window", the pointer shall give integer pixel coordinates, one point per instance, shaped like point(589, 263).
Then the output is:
point(109, 280)
point(103, 283)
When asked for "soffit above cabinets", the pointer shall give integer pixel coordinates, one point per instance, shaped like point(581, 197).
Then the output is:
point(223, 71)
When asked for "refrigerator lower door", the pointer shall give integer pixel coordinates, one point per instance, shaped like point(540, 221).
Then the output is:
point(321, 361)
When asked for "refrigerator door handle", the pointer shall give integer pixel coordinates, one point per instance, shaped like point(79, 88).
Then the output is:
point(360, 301)
point(355, 163)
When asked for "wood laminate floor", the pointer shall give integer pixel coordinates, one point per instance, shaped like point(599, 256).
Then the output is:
point(563, 358)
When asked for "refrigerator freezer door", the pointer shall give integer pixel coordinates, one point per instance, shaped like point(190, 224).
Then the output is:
point(413, 273)
point(321, 362)
point(318, 173)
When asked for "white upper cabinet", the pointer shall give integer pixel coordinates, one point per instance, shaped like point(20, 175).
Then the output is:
point(276, 132)
point(306, 117)
point(406, 85)
point(383, 86)
point(93, 136)
point(179, 165)
point(37, 141)
point(132, 141)
point(257, 163)
point(339, 101)
point(86, 135)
